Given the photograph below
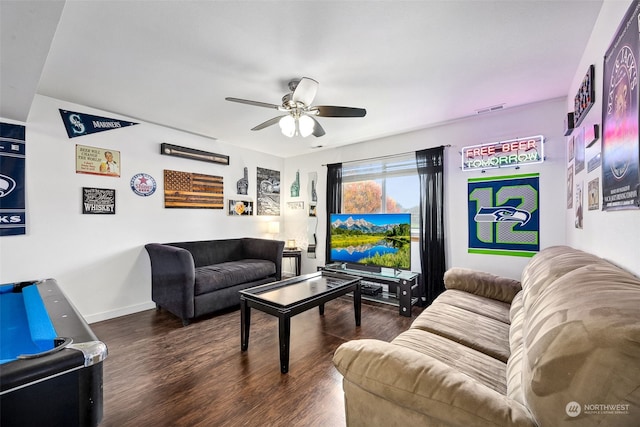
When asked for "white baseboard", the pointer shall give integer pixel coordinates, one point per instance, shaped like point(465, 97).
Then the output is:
point(106, 315)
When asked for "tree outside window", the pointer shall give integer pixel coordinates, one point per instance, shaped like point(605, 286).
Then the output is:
point(365, 187)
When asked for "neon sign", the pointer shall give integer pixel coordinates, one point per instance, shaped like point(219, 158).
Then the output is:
point(510, 153)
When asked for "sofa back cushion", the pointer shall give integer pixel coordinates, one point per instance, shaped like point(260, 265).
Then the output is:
point(209, 252)
point(581, 342)
point(549, 265)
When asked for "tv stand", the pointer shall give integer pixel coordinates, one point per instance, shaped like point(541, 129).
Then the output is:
point(361, 267)
point(400, 287)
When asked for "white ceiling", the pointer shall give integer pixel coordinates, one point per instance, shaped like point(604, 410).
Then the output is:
point(411, 64)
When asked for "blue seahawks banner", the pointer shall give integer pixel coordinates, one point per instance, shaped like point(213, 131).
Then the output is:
point(12, 200)
point(78, 124)
point(504, 217)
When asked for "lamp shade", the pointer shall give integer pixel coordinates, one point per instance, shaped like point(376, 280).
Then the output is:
point(305, 125)
point(274, 227)
point(288, 125)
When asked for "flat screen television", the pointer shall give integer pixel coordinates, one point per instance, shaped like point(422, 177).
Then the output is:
point(381, 240)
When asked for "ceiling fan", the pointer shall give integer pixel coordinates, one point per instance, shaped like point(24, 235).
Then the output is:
point(300, 114)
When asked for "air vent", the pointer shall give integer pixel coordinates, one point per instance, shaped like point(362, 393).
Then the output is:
point(490, 109)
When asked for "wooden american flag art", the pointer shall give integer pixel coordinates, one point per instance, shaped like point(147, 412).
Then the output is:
point(193, 190)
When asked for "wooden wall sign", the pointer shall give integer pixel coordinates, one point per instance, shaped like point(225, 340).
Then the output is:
point(193, 154)
point(193, 190)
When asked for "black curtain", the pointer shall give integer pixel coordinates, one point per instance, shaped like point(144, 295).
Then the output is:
point(430, 163)
point(334, 200)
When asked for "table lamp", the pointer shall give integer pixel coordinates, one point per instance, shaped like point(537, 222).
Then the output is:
point(291, 244)
point(274, 228)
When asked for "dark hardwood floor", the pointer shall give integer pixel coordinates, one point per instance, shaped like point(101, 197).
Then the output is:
point(159, 373)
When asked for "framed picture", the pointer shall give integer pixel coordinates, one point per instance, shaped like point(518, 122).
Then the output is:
point(97, 161)
point(98, 201)
point(239, 207)
point(295, 205)
point(594, 194)
point(579, 151)
point(570, 187)
point(268, 192)
point(579, 212)
point(585, 97)
point(571, 147)
point(620, 114)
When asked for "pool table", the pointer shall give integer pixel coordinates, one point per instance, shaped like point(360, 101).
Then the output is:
point(50, 359)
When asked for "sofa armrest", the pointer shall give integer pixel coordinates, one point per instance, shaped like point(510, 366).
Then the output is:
point(270, 250)
point(172, 279)
point(420, 383)
point(481, 283)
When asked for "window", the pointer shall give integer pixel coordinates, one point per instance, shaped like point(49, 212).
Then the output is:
point(382, 186)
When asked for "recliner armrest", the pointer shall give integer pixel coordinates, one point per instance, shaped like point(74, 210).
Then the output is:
point(482, 284)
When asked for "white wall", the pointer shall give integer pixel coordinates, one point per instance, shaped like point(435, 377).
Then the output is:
point(101, 263)
point(544, 118)
point(100, 260)
point(614, 235)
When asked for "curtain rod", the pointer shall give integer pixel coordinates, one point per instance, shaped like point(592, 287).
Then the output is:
point(387, 156)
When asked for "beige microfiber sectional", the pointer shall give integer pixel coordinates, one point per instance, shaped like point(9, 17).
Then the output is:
point(561, 348)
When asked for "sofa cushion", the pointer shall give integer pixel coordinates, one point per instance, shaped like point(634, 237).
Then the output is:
point(481, 283)
point(484, 369)
point(211, 252)
point(494, 309)
point(549, 265)
point(582, 346)
point(489, 336)
point(218, 276)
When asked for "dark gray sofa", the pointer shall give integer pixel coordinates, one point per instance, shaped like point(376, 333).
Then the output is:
point(190, 279)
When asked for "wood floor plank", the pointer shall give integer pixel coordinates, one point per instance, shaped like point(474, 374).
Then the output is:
point(159, 373)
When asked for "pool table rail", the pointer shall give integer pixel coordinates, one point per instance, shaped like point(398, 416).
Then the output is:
point(66, 382)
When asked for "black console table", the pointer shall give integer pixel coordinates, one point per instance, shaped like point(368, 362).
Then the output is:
point(398, 288)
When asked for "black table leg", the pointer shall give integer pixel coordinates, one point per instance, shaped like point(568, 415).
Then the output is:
point(321, 308)
point(285, 336)
point(245, 323)
point(357, 303)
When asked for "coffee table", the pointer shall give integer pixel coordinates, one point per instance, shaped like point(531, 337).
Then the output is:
point(286, 298)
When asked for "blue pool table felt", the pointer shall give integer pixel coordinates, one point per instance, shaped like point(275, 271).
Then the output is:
point(25, 326)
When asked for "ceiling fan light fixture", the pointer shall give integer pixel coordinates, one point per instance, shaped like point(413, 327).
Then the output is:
point(305, 125)
point(299, 118)
point(288, 126)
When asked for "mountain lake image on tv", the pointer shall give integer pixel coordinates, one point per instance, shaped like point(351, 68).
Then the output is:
point(382, 240)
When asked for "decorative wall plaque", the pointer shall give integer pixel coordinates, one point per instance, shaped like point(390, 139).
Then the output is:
point(193, 154)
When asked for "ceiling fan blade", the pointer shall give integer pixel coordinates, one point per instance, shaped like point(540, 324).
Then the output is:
point(256, 103)
point(318, 131)
point(305, 91)
point(268, 123)
point(333, 111)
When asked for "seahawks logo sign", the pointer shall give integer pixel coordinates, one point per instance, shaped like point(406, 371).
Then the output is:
point(504, 218)
point(7, 185)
